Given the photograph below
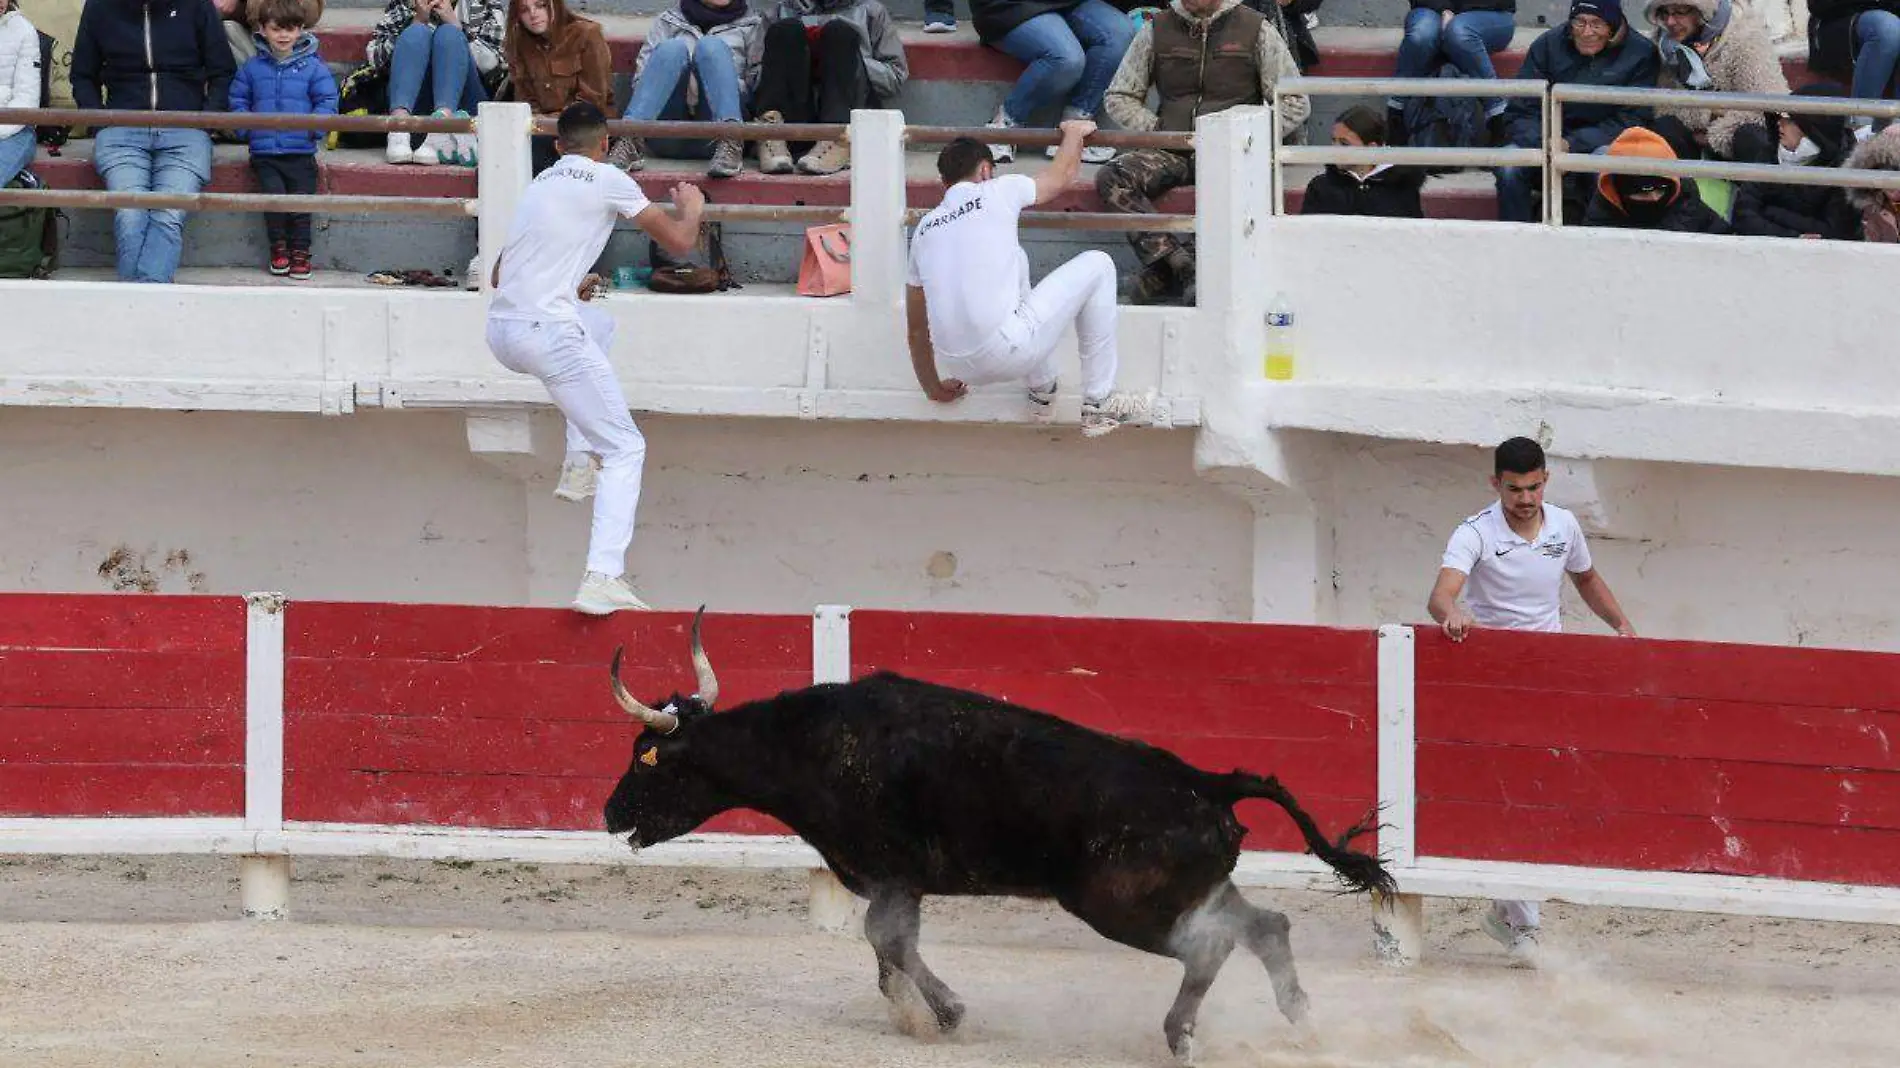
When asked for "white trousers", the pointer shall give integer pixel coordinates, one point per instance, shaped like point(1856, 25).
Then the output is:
point(1517, 913)
point(568, 360)
point(1081, 291)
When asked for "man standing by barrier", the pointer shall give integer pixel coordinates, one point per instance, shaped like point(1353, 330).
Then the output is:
point(1509, 562)
point(536, 325)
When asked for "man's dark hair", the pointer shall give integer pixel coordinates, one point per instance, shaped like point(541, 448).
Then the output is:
point(960, 159)
point(1518, 456)
point(581, 124)
point(281, 13)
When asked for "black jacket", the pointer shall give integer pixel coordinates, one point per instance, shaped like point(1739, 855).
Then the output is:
point(994, 19)
point(190, 67)
point(1763, 210)
point(1628, 60)
point(1686, 214)
point(1392, 193)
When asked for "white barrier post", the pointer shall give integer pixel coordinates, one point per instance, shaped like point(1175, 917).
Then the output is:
point(264, 879)
point(877, 207)
point(504, 162)
point(1398, 920)
point(832, 908)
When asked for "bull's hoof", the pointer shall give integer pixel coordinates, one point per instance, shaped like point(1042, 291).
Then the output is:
point(949, 1016)
point(910, 1013)
point(1182, 1045)
point(1296, 1008)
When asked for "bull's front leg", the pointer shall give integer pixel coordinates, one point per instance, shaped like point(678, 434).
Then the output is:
point(891, 925)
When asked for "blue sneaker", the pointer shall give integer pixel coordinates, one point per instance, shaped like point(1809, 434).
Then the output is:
point(937, 22)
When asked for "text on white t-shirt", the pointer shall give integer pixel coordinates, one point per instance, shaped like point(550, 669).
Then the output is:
point(560, 227)
point(1511, 583)
point(966, 256)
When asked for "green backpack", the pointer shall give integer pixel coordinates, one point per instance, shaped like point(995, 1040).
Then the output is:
point(29, 237)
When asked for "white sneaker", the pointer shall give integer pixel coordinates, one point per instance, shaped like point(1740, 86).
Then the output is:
point(1002, 153)
point(397, 149)
point(1100, 417)
point(1090, 153)
point(1519, 942)
point(578, 477)
point(602, 595)
point(435, 148)
point(465, 145)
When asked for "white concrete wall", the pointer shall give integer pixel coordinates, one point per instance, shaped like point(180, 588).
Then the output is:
point(763, 515)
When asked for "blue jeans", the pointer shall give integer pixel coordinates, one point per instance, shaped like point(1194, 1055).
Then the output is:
point(660, 91)
point(1073, 52)
point(139, 159)
point(1878, 35)
point(1515, 186)
point(1467, 43)
point(441, 52)
point(16, 151)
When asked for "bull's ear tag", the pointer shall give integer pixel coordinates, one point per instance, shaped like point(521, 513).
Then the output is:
point(651, 758)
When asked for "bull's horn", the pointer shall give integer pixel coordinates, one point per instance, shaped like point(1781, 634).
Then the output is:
point(664, 722)
point(702, 667)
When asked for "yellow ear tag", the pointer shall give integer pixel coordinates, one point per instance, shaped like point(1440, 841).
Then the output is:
point(651, 758)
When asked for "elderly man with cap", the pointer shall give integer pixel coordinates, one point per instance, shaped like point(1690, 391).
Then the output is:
point(1594, 47)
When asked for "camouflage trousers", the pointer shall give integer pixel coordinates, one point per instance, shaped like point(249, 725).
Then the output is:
point(1131, 183)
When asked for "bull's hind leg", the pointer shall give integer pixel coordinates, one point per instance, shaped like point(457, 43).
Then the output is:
point(1202, 948)
point(891, 925)
point(1265, 934)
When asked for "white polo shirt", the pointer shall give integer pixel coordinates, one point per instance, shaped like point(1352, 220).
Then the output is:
point(966, 257)
point(560, 227)
point(1511, 583)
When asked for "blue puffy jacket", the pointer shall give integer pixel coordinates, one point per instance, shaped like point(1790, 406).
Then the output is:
point(300, 85)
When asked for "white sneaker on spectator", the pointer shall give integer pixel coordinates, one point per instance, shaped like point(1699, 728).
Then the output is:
point(603, 595)
point(1091, 153)
point(437, 147)
point(397, 149)
point(578, 477)
point(1002, 153)
point(466, 145)
point(1102, 416)
point(1519, 942)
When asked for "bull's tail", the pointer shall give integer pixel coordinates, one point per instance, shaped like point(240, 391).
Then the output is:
point(1360, 871)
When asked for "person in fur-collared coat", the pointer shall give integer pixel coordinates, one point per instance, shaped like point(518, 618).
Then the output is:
point(1879, 208)
point(1722, 46)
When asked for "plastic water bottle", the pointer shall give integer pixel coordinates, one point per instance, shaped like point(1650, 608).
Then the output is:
point(1280, 338)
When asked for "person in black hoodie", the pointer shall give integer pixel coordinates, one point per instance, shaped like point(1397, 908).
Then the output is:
point(151, 55)
point(1769, 209)
point(1366, 189)
point(1650, 202)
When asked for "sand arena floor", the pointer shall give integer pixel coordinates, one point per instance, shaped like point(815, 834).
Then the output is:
point(143, 961)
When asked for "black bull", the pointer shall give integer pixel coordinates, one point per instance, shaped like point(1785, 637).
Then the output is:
point(907, 788)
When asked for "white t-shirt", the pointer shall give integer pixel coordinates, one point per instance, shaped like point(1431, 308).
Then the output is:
point(966, 257)
point(1513, 584)
point(562, 224)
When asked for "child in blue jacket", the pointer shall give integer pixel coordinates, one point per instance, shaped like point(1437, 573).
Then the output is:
point(286, 77)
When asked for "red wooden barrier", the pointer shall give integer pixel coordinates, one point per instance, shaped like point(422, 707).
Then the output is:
point(494, 717)
point(1679, 756)
point(1299, 702)
point(121, 705)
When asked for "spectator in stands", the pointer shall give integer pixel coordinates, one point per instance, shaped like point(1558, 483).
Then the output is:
point(1649, 202)
point(285, 77)
point(1365, 188)
point(1509, 562)
point(1071, 47)
point(824, 58)
point(168, 55)
point(1722, 46)
point(555, 58)
point(1200, 57)
point(1767, 209)
point(1879, 208)
point(241, 24)
point(444, 57)
point(1857, 40)
point(971, 310)
point(1462, 33)
point(1595, 47)
point(19, 88)
point(709, 49)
